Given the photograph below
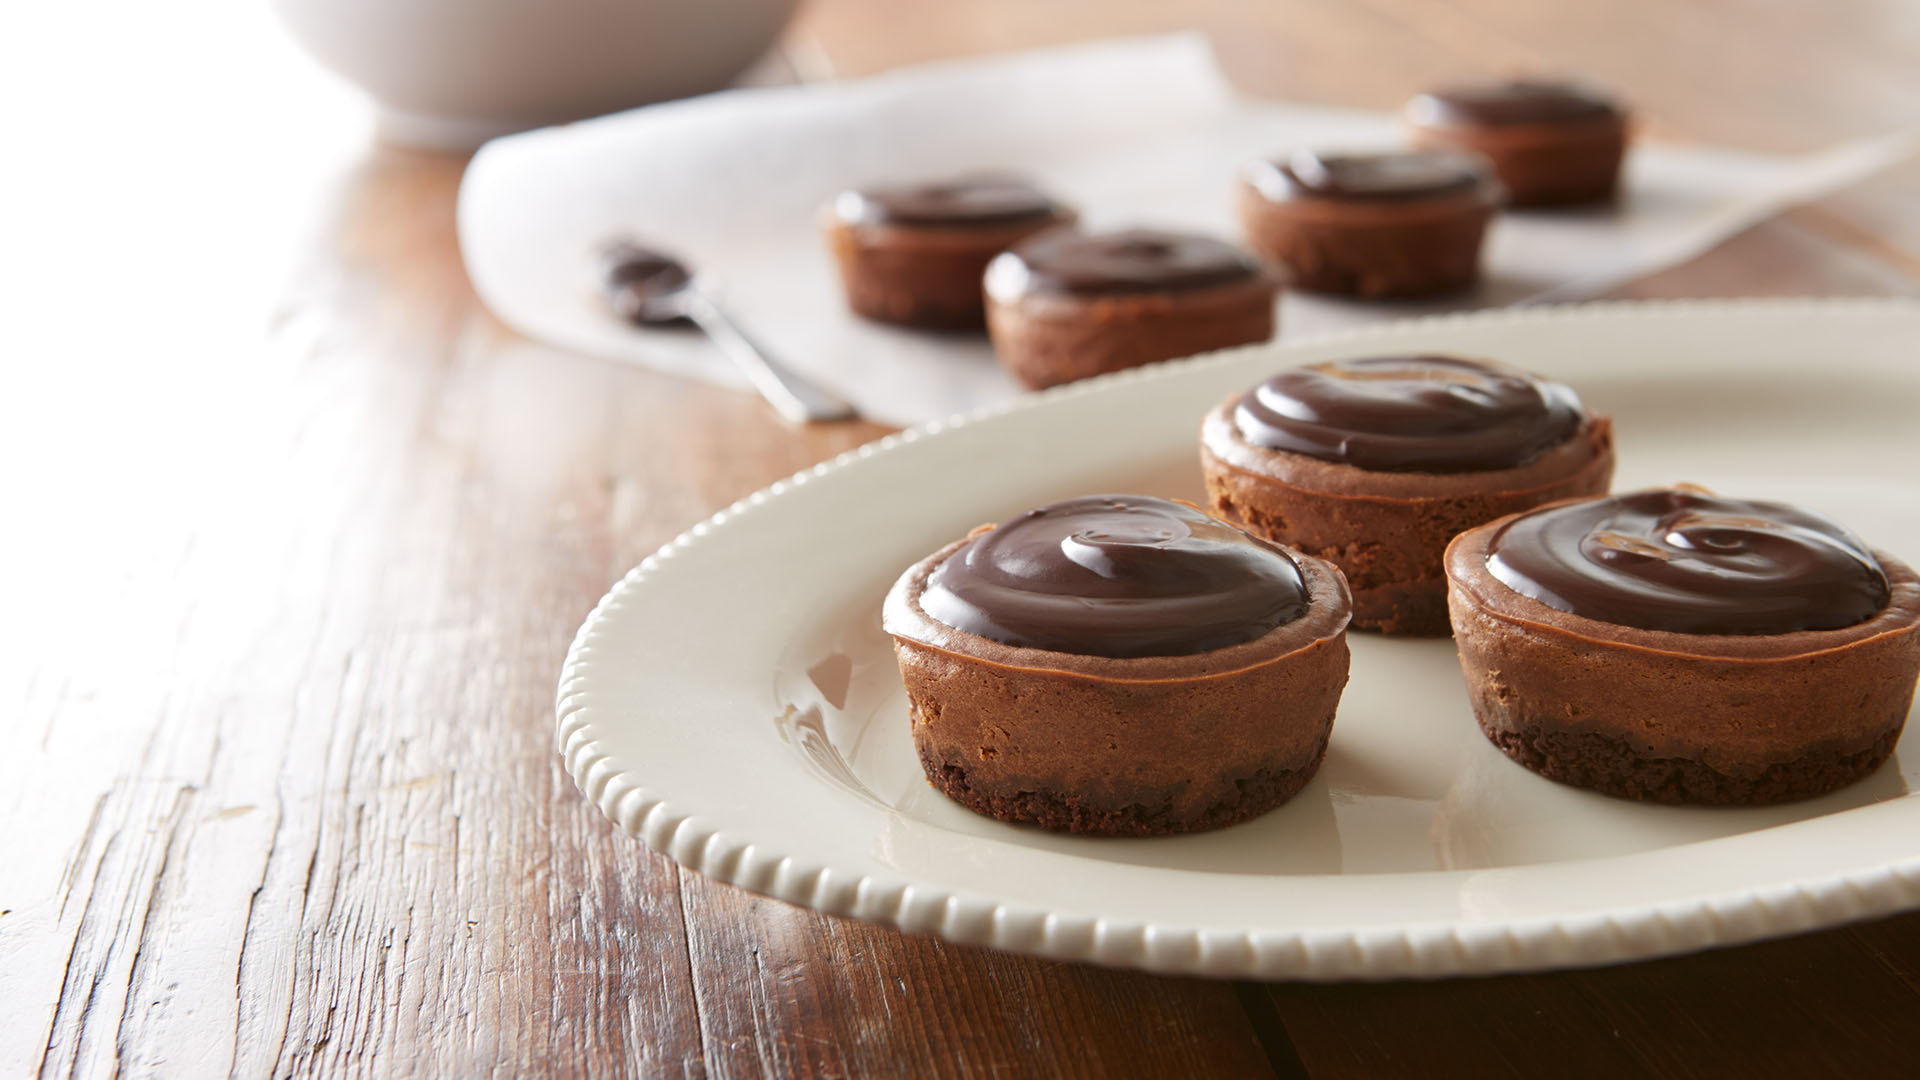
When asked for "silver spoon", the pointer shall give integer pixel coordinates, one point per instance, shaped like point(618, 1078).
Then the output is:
point(649, 288)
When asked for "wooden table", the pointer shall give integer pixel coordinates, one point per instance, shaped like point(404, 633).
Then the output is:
point(299, 536)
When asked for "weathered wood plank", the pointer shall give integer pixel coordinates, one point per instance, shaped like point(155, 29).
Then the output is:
point(304, 549)
point(1808, 1006)
point(788, 992)
point(1895, 943)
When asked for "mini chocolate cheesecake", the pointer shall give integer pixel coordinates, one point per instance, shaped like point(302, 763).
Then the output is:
point(1066, 304)
point(1374, 464)
point(1379, 226)
point(913, 254)
point(1551, 143)
point(1677, 647)
point(1119, 665)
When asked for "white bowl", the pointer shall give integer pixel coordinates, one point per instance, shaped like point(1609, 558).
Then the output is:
point(450, 74)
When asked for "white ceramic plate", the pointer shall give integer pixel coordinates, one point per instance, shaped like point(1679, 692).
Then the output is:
point(734, 703)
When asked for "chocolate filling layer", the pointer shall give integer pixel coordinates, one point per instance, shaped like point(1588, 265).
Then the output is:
point(1118, 576)
point(1692, 563)
point(1131, 261)
point(957, 203)
point(1435, 414)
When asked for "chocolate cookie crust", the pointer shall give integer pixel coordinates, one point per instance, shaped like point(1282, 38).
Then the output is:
point(1675, 717)
point(1251, 796)
point(1123, 747)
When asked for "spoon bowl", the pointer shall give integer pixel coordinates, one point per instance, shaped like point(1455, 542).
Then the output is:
point(646, 287)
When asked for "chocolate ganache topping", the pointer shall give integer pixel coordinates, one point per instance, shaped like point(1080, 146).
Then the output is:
point(1118, 576)
point(957, 203)
point(1130, 261)
point(1380, 177)
point(1520, 101)
point(1686, 561)
point(1435, 414)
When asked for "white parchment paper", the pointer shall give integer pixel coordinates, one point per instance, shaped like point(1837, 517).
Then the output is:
point(1133, 131)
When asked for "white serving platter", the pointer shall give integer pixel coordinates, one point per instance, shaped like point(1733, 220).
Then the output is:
point(733, 702)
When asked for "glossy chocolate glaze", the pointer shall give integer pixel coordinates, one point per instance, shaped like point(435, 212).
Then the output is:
point(1689, 562)
point(1436, 414)
point(1118, 576)
point(1520, 101)
point(1130, 261)
point(958, 203)
point(1393, 176)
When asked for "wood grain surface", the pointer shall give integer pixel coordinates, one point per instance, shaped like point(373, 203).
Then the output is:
point(299, 536)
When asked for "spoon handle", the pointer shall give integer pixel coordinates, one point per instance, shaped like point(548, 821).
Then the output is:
point(790, 393)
